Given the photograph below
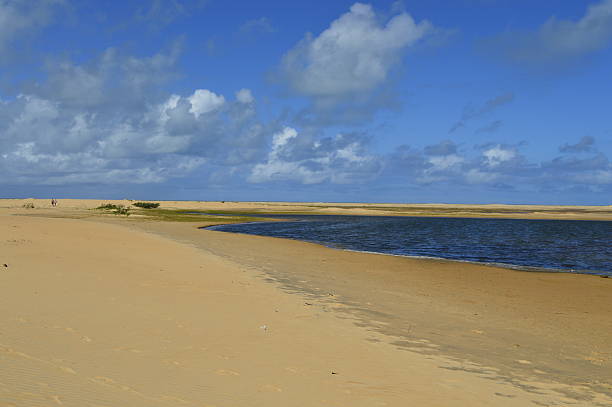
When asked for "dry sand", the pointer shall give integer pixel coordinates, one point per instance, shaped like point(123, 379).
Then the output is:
point(109, 311)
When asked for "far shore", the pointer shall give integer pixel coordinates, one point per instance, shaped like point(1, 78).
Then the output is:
point(570, 212)
point(103, 309)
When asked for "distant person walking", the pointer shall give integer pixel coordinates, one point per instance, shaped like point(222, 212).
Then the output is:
point(53, 202)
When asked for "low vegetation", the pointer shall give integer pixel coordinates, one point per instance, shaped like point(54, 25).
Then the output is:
point(151, 212)
point(202, 218)
point(146, 205)
point(181, 215)
point(108, 207)
point(115, 209)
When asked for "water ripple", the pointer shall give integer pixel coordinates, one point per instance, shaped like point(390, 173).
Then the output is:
point(554, 245)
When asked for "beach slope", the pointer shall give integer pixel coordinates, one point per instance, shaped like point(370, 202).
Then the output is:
point(99, 314)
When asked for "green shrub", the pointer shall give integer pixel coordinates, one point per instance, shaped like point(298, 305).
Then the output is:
point(117, 209)
point(122, 210)
point(146, 205)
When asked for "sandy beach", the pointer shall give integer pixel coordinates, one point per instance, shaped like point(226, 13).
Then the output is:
point(106, 310)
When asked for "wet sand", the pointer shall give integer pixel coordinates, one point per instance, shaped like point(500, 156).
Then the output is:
point(109, 311)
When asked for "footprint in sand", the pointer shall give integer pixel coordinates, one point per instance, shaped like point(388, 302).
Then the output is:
point(225, 372)
point(505, 395)
point(13, 352)
point(107, 381)
point(271, 388)
point(67, 370)
point(123, 349)
point(175, 399)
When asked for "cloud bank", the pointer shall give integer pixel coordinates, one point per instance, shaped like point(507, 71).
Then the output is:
point(502, 166)
point(108, 122)
point(339, 160)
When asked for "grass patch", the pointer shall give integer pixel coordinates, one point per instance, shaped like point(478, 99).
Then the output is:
point(261, 212)
point(208, 219)
point(180, 215)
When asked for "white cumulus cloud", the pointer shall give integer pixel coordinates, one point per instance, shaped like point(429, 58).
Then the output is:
point(497, 155)
point(355, 54)
point(204, 101)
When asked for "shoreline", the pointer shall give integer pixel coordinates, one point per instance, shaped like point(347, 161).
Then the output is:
point(473, 280)
point(507, 266)
point(125, 303)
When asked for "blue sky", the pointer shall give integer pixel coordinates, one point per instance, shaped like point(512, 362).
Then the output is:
point(463, 101)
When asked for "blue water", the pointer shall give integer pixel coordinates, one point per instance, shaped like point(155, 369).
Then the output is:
point(553, 245)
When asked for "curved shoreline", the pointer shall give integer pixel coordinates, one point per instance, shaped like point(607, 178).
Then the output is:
point(501, 265)
point(514, 267)
point(470, 311)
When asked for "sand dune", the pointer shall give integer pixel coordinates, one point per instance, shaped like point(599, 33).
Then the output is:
point(121, 312)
